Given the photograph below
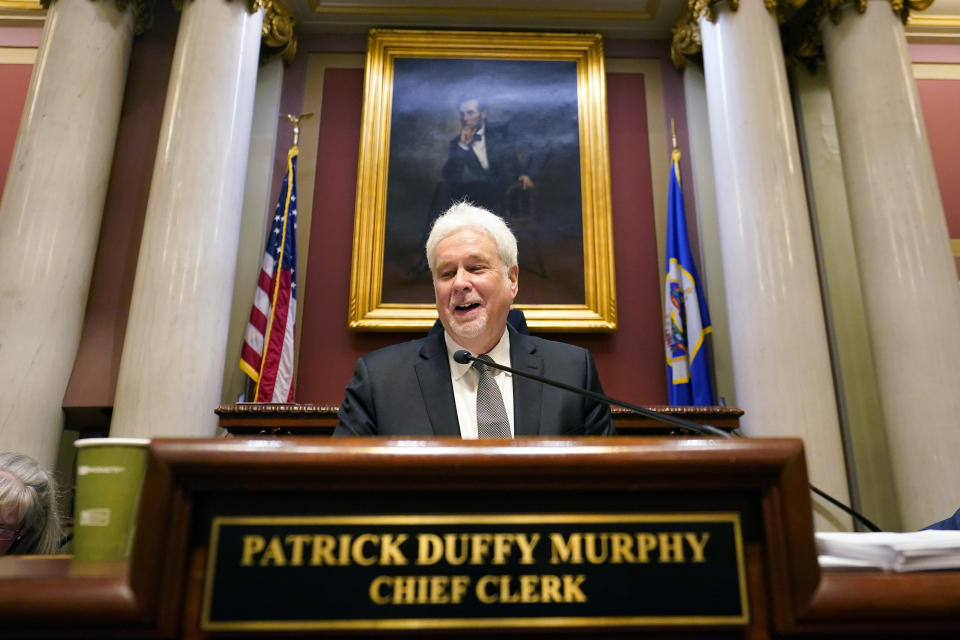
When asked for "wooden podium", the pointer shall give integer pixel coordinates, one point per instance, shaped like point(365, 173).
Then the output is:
point(315, 537)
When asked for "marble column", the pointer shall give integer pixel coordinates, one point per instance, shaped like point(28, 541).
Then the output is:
point(173, 352)
point(906, 268)
point(51, 211)
point(867, 451)
point(781, 359)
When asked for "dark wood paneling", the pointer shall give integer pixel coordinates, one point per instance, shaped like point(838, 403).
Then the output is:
point(312, 419)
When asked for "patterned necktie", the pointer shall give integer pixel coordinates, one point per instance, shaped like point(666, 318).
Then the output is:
point(492, 419)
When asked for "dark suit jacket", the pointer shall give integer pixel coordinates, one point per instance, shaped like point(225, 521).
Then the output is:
point(405, 390)
point(953, 522)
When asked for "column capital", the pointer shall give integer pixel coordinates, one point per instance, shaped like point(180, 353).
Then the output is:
point(142, 12)
point(700, 8)
point(685, 44)
point(901, 8)
point(802, 39)
point(252, 5)
point(277, 35)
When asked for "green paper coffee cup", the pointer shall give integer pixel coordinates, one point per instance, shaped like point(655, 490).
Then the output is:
point(109, 478)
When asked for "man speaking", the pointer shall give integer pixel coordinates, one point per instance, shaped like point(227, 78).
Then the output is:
point(417, 389)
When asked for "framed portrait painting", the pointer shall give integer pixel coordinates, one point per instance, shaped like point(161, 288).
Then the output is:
point(513, 122)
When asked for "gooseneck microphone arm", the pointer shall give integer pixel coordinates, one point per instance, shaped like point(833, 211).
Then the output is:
point(465, 357)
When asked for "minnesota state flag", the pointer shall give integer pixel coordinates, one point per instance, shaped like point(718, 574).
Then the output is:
point(686, 320)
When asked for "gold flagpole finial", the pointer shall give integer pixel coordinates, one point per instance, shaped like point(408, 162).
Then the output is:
point(675, 154)
point(295, 120)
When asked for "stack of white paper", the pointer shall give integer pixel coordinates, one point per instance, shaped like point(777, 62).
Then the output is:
point(913, 551)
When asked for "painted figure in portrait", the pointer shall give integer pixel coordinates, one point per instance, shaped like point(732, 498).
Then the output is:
point(503, 134)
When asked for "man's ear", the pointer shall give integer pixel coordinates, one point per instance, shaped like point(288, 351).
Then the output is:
point(513, 275)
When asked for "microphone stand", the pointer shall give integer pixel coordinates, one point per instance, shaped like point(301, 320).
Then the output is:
point(465, 357)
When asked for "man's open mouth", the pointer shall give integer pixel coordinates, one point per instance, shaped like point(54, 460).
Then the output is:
point(469, 306)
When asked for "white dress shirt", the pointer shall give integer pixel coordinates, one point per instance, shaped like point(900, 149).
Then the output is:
point(465, 379)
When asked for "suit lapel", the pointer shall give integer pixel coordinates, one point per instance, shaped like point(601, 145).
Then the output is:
point(433, 374)
point(527, 394)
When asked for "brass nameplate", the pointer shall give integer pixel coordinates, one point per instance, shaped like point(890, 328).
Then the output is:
point(475, 570)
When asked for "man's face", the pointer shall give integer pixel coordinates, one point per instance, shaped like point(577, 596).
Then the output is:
point(473, 294)
point(470, 114)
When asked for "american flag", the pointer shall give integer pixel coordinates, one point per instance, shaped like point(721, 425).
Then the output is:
point(274, 312)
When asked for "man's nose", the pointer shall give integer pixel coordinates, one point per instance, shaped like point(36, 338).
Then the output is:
point(462, 279)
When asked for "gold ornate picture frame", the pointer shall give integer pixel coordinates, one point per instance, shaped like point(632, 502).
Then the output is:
point(543, 98)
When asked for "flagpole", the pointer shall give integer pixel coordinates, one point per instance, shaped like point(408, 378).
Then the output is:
point(295, 121)
point(675, 155)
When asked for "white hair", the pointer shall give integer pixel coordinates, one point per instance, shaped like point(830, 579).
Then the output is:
point(466, 215)
point(32, 493)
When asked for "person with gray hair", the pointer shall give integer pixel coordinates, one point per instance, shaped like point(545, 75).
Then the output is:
point(30, 520)
point(417, 388)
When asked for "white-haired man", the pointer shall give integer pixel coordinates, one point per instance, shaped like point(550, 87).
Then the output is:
point(417, 388)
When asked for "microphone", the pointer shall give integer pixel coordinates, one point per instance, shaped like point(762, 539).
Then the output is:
point(465, 357)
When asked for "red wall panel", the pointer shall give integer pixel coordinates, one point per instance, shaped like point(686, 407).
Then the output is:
point(939, 100)
point(15, 80)
point(630, 360)
point(328, 349)
point(94, 377)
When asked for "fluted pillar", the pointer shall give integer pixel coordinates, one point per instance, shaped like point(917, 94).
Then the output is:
point(174, 348)
point(51, 211)
point(906, 267)
point(781, 361)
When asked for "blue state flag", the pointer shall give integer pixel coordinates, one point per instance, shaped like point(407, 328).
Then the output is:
point(686, 320)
